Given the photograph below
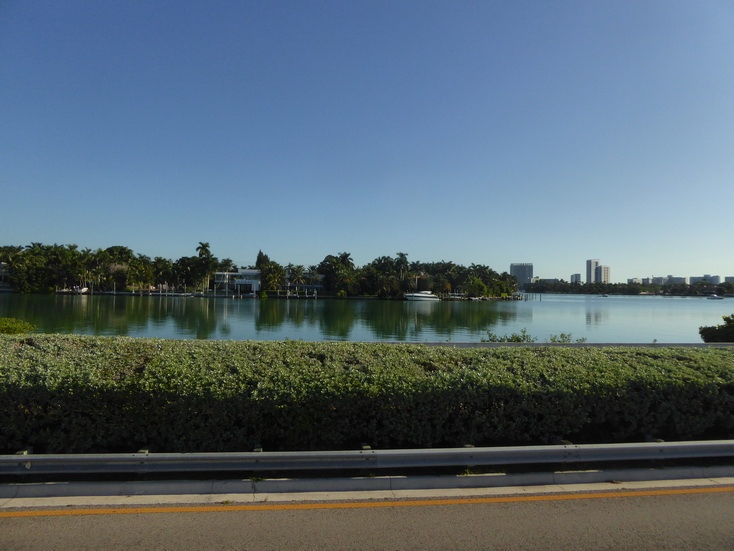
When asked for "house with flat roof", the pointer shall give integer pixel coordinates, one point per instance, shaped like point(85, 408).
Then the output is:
point(246, 282)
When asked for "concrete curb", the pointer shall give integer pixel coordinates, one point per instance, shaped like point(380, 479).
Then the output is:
point(221, 489)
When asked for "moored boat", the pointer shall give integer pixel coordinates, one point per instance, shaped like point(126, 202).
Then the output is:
point(421, 295)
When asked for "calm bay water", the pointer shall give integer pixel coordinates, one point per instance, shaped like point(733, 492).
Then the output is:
point(642, 319)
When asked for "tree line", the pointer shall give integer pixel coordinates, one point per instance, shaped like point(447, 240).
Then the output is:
point(39, 268)
point(699, 288)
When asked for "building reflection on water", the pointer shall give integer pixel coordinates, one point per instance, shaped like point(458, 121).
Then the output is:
point(596, 315)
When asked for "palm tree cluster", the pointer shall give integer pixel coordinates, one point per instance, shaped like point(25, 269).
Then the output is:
point(45, 268)
point(390, 277)
point(39, 268)
point(387, 277)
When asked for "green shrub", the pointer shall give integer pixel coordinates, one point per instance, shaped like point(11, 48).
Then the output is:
point(80, 394)
point(12, 326)
point(719, 333)
point(523, 336)
point(566, 338)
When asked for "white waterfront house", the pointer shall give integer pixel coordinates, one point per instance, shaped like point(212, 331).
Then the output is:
point(246, 282)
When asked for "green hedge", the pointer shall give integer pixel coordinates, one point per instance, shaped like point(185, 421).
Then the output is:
point(93, 394)
point(719, 333)
point(12, 326)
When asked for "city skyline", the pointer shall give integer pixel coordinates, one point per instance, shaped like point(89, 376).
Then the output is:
point(471, 132)
point(599, 273)
point(525, 272)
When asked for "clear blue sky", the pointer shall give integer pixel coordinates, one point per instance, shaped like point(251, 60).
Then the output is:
point(485, 132)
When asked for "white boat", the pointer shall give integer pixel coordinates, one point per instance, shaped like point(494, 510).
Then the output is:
point(715, 297)
point(421, 295)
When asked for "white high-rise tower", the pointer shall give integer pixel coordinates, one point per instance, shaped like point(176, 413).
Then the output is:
point(591, 270)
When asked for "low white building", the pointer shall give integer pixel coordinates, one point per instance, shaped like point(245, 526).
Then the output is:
point(707, 278)
point(246, 282)
point(242, 282)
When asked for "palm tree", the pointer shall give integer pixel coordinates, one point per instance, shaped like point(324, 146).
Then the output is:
point(101, 261)
point(345, 259)
point(71, 267)
point(203, 250)
point(313, 274)
point(141, 270)
point(401, 263)
point(17, 261)
point(272, 276)
point(207, 262)
point(296, 275)
point(226, 265)
point(119, 254)
point(162, 272)
point(87, 261)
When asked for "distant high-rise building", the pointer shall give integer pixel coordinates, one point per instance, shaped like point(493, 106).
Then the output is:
point(591, 270)
point(601, 274)
point(575, 278)
point(523, 272)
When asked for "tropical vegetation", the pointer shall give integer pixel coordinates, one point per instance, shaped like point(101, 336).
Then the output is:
point(719, 333)
point(39, 268)
point(101, 394)
point(12, 326)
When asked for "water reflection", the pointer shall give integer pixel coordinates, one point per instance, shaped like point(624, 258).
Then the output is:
point(187, 317)
point(430, 320)
point(336, 318)
point(613, 319)
point(596, 315)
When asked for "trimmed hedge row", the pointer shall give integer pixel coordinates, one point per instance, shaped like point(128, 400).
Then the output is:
point(62, 394)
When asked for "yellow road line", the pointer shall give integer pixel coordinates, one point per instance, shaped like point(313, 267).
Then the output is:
point(362, 504)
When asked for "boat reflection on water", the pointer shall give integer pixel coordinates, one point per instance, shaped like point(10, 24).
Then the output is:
point(424, 307)
point(427, 296)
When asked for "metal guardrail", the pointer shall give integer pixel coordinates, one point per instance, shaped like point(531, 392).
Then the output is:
point(141, 462)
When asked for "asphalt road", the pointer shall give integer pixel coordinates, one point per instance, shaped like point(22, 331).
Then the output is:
point(633, 520)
